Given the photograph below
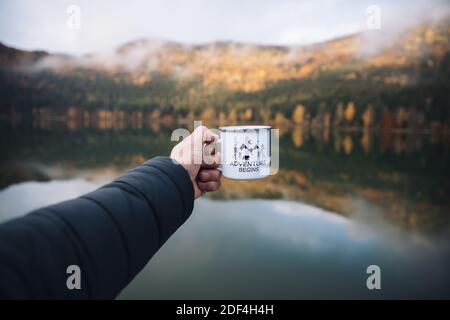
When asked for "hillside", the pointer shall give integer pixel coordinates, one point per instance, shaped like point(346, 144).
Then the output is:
point(353, 80)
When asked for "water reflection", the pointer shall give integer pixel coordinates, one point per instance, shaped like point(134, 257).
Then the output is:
point(21, 198)
point(271, 249)
point(343, 199)
point(403, 175)
point(281, 249)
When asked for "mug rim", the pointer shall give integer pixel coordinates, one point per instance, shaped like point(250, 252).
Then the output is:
point(240, 128)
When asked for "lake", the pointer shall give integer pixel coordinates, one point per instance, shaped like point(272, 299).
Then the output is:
point(342, 200)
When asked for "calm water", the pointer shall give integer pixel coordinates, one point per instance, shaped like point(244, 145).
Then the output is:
point(340, 202)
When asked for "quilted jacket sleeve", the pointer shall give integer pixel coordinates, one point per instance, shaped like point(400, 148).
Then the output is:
point(110, 234)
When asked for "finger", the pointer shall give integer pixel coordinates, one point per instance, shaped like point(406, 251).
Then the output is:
point(208, 186)
point(210, 137)
point(211, 160)
point(206, 175)
point(207, 134)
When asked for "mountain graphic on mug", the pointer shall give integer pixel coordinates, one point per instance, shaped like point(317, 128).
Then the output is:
point(245, 151)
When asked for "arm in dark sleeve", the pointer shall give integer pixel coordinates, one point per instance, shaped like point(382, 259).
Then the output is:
point(110, 233)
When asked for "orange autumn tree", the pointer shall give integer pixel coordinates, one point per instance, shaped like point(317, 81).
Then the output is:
point(208, 115)
point(350, 112)
point(368, 116)
point(247, 114)
point(298, 116)
point(233, 116)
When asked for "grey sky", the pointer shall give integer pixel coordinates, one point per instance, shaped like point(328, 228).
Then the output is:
point(32, 24)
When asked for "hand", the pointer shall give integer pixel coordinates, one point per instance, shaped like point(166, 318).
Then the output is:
point(198, 156)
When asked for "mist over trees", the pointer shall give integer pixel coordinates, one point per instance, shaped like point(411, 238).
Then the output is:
point(405, 86)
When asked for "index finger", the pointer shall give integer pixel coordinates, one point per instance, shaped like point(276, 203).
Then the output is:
point(208, 135)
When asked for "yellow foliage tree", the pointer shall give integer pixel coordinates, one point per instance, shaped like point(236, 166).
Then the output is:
point(209, 114)
point(298, 116)
point(297, 137)
point(350, 112)
point(368, 116)
point(248, 114)
point(347, 144)
point(280, 118)
point(233, 115)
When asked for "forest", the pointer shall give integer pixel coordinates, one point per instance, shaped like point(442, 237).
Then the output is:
point(404, 86)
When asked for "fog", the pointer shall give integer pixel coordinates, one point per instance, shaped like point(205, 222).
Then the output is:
point(104, 26)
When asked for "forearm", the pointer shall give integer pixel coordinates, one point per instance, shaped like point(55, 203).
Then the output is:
point(110, 234)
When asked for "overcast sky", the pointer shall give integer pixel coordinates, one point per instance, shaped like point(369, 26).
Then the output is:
point(30, 24)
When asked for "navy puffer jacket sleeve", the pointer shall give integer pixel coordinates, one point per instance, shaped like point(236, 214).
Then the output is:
point(110, 234)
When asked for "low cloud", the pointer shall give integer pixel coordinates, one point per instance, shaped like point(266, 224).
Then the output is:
point(394, 22)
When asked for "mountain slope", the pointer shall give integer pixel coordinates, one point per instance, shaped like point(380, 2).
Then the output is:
point(410, 70)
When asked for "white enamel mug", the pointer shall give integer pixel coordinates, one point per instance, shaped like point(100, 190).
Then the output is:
point(245, 151)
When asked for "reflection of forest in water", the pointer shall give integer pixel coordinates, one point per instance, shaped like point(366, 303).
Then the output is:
point(400, 175)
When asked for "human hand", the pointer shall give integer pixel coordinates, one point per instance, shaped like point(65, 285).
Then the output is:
point(197, 155)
